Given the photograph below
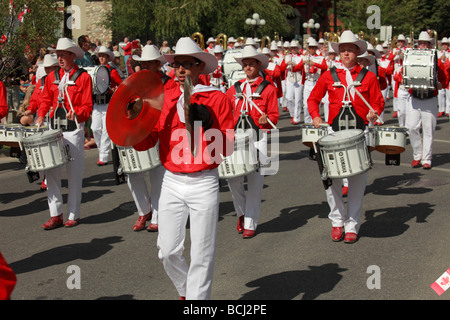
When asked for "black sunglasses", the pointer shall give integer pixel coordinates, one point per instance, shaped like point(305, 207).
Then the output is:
point(186, 64)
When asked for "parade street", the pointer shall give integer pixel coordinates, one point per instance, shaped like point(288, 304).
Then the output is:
point(402, 247)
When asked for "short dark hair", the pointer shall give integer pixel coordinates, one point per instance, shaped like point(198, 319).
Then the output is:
point(82, 39)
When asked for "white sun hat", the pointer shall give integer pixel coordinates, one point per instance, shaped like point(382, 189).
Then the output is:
point(150, 53)
point(105, 50)
point(348, 37)
point(66, 44)
point(424, 36)
point(312, 42)
point(250, 42)
point(250, 52)
point(50, 60)
point(218, 48)
point(187, 47)
point(367, 56)
point(370, 48)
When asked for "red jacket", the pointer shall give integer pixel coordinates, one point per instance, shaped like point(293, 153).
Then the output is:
point(3, 103)
point(174, 150)
point(80, 95)
point(369, 89)
point(8, 279)
point(275, 77)
point(36, 96)
point(268, 103)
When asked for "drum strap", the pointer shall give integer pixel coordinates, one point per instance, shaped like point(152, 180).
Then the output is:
point(72, 79)
point(258, 91)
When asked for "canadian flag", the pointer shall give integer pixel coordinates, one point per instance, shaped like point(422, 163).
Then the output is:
point(442, 283)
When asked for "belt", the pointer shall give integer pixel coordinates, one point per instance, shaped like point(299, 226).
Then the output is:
point(101, 98)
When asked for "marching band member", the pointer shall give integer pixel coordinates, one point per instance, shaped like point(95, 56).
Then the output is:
point(101, 101)
point(216, 77)
point(273, 70)
point(293, 64)
point(385, 62)
point(314, 66)
point(190, 186)
point(349, 47)
point(443, 97)
point(80, 95)
point(396, 64)
point(231, 42)
point(211, 43)
point(422, 113)
point(49, 64)
point(248, 206)
point(148, 204)
point(332, 60)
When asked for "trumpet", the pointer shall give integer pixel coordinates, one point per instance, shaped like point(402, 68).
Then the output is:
point(199, 39)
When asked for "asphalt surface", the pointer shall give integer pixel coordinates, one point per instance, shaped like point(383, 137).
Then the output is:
point(404, 235)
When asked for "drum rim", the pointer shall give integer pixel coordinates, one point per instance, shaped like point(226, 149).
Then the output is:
point(43, 137)
point(352, 138)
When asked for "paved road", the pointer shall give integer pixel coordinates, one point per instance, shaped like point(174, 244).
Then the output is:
point(404, 235)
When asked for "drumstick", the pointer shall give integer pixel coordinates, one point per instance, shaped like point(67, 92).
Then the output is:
point(71, 106)
point(367, 104)
point(259, 110)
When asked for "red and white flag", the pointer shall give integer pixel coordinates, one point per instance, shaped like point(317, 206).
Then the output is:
point(442, 283)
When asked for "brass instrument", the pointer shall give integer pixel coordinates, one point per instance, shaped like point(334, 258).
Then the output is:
point(199, 39)
point(265, 42)
point(411, 35)
point(434, 34)
point(276, 37)
point(222, 40)
point(394, 42)
point(374, 41)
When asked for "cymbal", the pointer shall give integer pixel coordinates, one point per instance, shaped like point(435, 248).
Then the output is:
point(135, 108)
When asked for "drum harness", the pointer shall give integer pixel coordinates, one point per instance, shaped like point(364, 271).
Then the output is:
point(59, 120)
point(245, 120)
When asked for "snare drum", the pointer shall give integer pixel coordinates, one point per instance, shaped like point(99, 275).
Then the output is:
point(46, 150)
point(100, 78)
point(372, 138)
point(30, 130)
point(11, 132)
point(243, 161)
point(344, 153)
point(310, 134)
point(133, 161)
point(390, 140)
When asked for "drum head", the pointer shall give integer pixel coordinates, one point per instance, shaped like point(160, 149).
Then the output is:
point(102, 79)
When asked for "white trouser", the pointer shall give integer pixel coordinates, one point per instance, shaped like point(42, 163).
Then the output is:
point(145, 201)
point(442, 100)
point(294, 91)
point(250, 204)
point(403, 100)
point(98, 128)
point(340, 216)
point(447, 101)
point(195, 196)
point(422, 113)
point(307, 88)
point(74, 169)
point(283, 98)
point(385, 94)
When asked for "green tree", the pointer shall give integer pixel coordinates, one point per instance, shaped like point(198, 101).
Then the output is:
point(171, 19)
point(25, 33)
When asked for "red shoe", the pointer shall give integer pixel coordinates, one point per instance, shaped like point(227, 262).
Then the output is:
point(395, 115)
point(140, 222)
point(344, 191)
point(240, 224)
point(426, 166)
point(248, 234)
point(350, 237)
point(295, 123)
point(101, 163)
point(182, 298)
point(285, 109)
point(43, 185)
point(53, 223)
point(71, 223)
point(440, 114)
point(415, 164)
point(153, 227)
point(292, 120)
point(336, 234)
